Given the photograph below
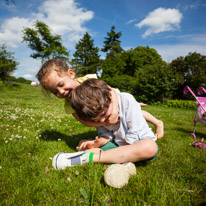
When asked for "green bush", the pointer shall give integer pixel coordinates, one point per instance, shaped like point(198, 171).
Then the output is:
point(187, 104)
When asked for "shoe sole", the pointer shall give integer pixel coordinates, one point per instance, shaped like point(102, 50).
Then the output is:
point(118, 175)
point(131, 168)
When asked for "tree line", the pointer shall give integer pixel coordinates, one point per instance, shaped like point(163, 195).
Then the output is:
point(140, 71)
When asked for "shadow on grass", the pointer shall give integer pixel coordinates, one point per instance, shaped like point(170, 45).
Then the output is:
point(71, 140)
point(197, 134)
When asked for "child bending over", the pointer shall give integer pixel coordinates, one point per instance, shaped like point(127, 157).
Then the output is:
point(131, 136)
point(56, 77)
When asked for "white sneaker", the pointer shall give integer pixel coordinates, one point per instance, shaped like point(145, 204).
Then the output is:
point(118, 175)
point(63, 160)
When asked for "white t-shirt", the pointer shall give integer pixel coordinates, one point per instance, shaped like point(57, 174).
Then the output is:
point(132, 126)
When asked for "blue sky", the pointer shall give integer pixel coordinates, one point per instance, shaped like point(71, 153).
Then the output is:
point(174, 28)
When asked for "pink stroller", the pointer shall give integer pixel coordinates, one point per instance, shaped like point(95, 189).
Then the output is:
point(201, 112)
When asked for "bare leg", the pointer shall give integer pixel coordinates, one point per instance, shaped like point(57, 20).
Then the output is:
point(142, 150)
point(159, 126)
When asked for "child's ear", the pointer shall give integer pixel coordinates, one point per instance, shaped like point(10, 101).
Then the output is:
point(111, 95)
point(71, 73)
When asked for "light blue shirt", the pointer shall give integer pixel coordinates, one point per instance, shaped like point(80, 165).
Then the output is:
point(132, 126)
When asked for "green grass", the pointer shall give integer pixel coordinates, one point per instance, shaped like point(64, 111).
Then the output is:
point(34, 128)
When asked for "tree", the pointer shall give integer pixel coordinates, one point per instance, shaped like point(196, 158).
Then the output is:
point(112, 43)
point(188, 71)
point(129, 62)
point(139, 57)
point(140, 71)
point(7, 63)
point(43, 43)
point(113, 67)
point(86, 58)
point(153, 83)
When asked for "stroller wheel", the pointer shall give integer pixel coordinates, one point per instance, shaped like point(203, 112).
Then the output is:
point(193, 135)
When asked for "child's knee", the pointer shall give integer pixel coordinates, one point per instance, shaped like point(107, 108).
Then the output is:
point(151, 148)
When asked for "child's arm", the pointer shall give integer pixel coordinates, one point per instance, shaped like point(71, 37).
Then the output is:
point(90, 144)
point(114, 117)
point(159, 126)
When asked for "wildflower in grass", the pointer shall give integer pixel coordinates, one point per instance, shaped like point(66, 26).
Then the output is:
point(50, 158)
point(68, 179)
point(59, 139)
point(6, 141)
point(0, 168)
point(77, 173)
point(18, 136)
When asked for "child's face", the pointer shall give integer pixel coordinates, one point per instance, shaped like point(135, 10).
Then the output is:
point(61, 85)
point(104, 116)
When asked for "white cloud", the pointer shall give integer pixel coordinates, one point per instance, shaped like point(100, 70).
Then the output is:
point(131, 21)
point(64, 17)
point(11, 31)
point(27, 76)
point(189, 43)
point(161, 20)
point(194, 5)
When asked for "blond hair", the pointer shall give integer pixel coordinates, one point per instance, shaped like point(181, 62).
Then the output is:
point(57, 65)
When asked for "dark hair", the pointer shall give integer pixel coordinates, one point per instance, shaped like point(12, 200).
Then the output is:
point(52, 64)
point(90, 99)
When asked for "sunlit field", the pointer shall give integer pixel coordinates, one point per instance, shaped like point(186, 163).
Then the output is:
point(34, 128)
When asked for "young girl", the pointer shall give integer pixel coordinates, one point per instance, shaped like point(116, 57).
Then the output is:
point(56, 77)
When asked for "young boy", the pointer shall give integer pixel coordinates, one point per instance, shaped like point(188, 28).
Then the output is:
point(92, 101)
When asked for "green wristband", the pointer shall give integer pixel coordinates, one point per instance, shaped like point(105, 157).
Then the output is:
point(91, 157)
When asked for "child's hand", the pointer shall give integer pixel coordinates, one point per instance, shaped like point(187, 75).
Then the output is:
point(142, 104)
point(88, 144)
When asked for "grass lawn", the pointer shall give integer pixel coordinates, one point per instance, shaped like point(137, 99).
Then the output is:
point(34, 128)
